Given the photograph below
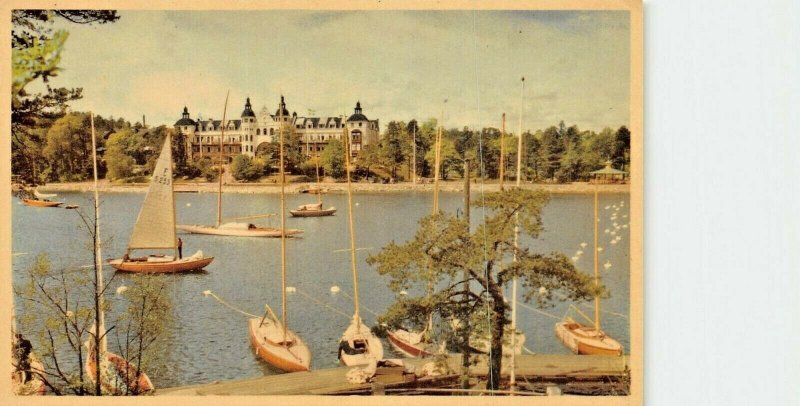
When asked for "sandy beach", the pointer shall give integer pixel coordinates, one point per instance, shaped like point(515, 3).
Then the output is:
point(334, 187)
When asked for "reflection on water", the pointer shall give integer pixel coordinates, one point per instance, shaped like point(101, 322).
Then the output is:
point(208, 341)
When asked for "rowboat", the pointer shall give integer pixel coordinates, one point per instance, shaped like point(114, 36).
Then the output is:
point(586, 340)
point(41, 203)
point(312, 210)
point(155, 227)
point(358, 346)
point(232, 229)
point(120, 377)
point(271, 338)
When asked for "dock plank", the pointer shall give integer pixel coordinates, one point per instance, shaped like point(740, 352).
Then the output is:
point(333, 380)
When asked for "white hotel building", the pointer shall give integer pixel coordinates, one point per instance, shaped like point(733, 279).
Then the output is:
point(251, 132)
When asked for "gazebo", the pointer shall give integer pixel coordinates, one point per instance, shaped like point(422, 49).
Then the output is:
point(609, 175)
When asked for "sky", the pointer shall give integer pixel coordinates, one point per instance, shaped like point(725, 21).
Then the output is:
point(400, 65)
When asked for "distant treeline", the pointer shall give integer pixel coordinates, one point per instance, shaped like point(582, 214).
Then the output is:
point(60, 151)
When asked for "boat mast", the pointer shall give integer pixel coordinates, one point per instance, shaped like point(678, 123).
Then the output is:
point(346, 140)
point(503, 152)
point(283, 226)
point(319, 187)
point(437, 163)
point(98, 265)
point(596, 258)
point(516, 241)
point(221, 158)
point(414, 157)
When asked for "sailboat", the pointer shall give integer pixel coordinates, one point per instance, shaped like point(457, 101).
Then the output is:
point(358, 346)
point(117, 375)
point(40, 200)
point(232, 229)
point(411, 343)
point(588, 339)
point(155, 226)
point(41, 203)
point(271, 338)
point(314, 209)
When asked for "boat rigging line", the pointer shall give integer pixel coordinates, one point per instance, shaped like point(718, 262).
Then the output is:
point(232, 307)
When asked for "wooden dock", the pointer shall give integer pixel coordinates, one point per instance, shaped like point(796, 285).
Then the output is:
point(332, 381)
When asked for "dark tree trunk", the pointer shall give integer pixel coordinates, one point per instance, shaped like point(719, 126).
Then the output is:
point(496, 352)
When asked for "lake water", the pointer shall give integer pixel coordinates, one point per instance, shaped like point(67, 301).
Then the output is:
point(209, 341)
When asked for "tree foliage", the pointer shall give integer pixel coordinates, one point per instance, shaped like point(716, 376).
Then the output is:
point(332, 159)
point(443, 249)
point(35, 55)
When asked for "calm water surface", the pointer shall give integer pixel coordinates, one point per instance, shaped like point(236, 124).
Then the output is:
point(209, 342)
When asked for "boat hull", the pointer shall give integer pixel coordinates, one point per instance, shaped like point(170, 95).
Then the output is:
point(40, 203)
point(583, 340)
point(136, 385)
point(183, 265)
point(365, 347)
point(230, 232)
point(407, 348)
point(296, 357)
point(313, 213)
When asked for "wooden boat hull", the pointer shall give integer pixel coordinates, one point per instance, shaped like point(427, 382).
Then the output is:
point(295, 357)
point(230, 232)
point(136, 385)
point(182, 265)
point(406, 347)
point(40, 203)
point(368, 347)
point(584, 340)
point(313, 213)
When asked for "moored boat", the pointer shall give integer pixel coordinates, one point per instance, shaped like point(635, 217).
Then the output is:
point(358, 346)
point(232, 229)
point(312, 210)
point(286, 352)
point(586, 340)
point(410, 344)
point(589, 339)
point(116, 375)
point(41, 203)
point(271, 338)
point(238, 230)
point(121, 376)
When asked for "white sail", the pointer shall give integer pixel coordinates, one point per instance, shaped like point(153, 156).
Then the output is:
point(155, 226)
